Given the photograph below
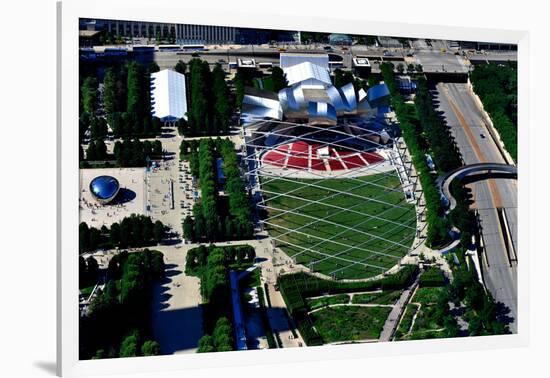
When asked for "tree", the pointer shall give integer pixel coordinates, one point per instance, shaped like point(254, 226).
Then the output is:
point(183, 126)
point(180, 67)
point(136, 96)
point(91, 151)
point(222, 109)
point(92, 270)
point(241, 255)
point(100, 150)
point(373, 80)
point(84, 237)
point(199, 115)
point(109, 91)
point(400, 68)
point(114, 234)
point(81, 272)
point(129, 346)
point(278, 79)
point(153, 67)
point(222, 335)
point(95, 238)
point(342, 78)
point(150, 348)
point(251, 254)
point(475, 326)
point(83, 124)
point(206, 344)
point(189, 228)
point(158, 231)
point(89, 94)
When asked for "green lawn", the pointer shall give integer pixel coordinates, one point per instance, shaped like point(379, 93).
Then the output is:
point(406, 321)
point(385, 297)
point(350, 323)
point(427, 295)
point(328, 300)
point(381, 233)
point(429, 319)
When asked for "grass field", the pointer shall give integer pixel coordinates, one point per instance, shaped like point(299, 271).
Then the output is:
point(406, 321)
point(314, 303)
point(429, 316)
point(384, 298)
point(357, 228)
point(350, 323)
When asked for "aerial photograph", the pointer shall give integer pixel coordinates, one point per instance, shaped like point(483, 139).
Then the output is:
point(246, 189)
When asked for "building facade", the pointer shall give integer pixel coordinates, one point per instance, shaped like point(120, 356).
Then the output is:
point(186, 33)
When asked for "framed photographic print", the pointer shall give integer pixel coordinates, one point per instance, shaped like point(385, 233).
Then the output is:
point(242, 186)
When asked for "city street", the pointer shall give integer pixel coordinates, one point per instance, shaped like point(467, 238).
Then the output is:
point(476, 145)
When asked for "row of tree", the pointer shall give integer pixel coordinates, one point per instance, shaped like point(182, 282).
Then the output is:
point(134, 153)
point(128, 153)
point(221, 339)
point(446, 155)
point(124, 102)
point(118, 321)
point(483, 314)
point(131, 232)
point(96, 150)
point(197, 258)
point(413, 134)
point(217, 218)
point(209, 109)
point(243, 79)
point(444, 150)
point(496, 85)
point(97, 126)
point(89, 95)
point(124, 124)
point(189, 151)
point(216, 295)
point(239, 204)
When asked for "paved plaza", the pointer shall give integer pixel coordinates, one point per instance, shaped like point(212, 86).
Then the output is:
point(130, 200)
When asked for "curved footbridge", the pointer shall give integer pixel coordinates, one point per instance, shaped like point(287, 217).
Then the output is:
point(474, 172)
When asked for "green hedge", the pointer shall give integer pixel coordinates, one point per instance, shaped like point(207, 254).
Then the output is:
point(295, 287)
point(432, 277)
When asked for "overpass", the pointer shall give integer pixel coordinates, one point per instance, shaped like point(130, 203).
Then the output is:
point(480, 170)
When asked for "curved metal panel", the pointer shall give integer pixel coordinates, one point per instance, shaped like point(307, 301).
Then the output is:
point(104, 188)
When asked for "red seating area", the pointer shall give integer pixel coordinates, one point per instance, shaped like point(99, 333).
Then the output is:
point(372, 157)
point(275, 158)
point(297, 155)
point(353, 161)
point(297, 162)
point(335, 165)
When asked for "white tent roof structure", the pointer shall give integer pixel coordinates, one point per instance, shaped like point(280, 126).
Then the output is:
point(307, 73)
point(291, 59)
point(168, 95)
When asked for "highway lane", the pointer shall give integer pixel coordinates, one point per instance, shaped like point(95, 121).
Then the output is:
point(477, 146)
